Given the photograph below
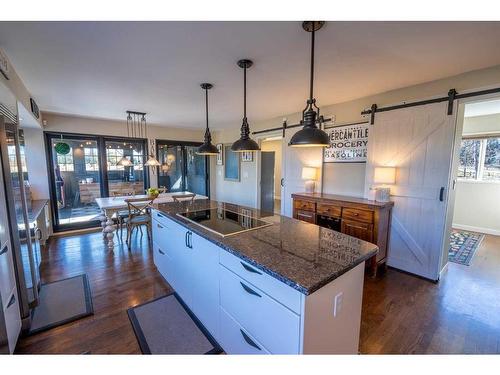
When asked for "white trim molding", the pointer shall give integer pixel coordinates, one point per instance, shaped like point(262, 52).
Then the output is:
point(494, 232)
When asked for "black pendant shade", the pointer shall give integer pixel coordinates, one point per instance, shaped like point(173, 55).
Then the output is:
point(245, 143)
point(311, 135)
point(207, 148)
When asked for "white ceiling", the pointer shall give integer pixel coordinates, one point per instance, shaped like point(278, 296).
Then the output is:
point(489, 107)
point(102, 69)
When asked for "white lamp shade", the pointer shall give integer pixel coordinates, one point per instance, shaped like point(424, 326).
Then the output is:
point(309, 173)
point(384, 175)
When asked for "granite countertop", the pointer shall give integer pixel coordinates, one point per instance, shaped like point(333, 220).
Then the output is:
point(342, 198)
point(302, 255)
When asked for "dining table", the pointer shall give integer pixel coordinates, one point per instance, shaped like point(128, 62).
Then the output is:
point(109, 206)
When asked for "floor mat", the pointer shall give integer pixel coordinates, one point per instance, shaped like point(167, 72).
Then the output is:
point(61, 302)
point(463, 246)
point(166, 326)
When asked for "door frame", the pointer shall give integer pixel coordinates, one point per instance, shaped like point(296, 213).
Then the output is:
point(183, 144)
point(103, 172)
point(259, 138)
point(450, 199)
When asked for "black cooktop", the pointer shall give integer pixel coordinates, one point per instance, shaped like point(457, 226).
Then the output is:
point(223, 222)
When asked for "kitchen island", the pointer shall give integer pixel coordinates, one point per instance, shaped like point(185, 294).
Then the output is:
point(278, 285)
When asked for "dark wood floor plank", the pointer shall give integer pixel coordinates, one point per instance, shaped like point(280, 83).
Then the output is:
point(401, 313)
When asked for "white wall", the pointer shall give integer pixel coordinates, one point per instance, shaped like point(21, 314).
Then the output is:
point(477, 203)
point(477, 207)
point(339, 178)
point(36, 163)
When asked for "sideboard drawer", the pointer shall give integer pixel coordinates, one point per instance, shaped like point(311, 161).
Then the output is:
point(304, 205)
point(273, 287)
point(329, 210)
point(271, 323)
point(307, 216)
point(358, 215)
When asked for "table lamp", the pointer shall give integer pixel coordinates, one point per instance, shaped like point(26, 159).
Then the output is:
point(309, 174)
point(384, 176)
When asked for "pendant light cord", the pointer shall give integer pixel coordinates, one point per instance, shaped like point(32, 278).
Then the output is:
point(312, 63)
point(206, 105)
point(245, 92)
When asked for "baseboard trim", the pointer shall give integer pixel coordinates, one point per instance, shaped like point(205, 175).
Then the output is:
point(471, 228)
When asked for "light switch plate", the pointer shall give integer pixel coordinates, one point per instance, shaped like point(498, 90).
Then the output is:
point(337, 304)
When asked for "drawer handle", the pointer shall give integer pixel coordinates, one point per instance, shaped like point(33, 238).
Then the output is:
point(12, 301)
point(159, 226)
point(355, 214)
point(161, 252)
point(250, 290)
point(160, 215)
point(304, 215)
point(4, 250)
point(249, 340)
point(250, 269)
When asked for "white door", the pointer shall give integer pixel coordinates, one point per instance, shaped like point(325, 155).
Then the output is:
point(294, 158)
point(418, 141)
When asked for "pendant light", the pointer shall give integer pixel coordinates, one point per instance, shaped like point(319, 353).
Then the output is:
point(310, 135)
point(124, 161)
point(245, 143)
point(151, 162)
point(207, 148)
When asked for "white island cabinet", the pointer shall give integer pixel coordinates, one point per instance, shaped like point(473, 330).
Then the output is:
point(249, 311)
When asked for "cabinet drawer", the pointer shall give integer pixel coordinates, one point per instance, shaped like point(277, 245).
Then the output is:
point(358, 229)
point(307, 216)
point(278, 290)
point(358, 215)
point(329, 210)
point(161, 234)
point(234, 339)
point(12, 319)
point(265, 319)
point(7, 278)
point(160, 259)
point(159, 217)
point(304, 205)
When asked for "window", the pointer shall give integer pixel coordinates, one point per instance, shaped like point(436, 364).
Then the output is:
point(114, 155)
point(91, 159)
point(480, 159)
point(65, 162)
point(138, 160)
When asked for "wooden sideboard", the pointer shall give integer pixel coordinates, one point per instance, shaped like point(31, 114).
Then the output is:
point(361, 218)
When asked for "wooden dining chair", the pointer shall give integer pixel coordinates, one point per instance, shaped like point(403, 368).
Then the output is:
point(138, 215)
point(183, 197)
point(120, 216)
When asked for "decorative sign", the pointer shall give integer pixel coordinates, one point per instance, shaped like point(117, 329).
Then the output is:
point(220, 155)
point(247, 156)
point(348, 144)
point(4, 65)
point(34, 108)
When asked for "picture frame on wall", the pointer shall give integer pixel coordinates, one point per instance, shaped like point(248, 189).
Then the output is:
point(220, 155)
point(247, 156)
point(231, 164)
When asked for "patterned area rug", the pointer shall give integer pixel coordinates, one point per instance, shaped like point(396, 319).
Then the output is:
point(463, 246)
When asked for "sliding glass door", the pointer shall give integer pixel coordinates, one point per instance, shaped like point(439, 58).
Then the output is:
point(125, 167)
point(181, 168)
point(86, 167)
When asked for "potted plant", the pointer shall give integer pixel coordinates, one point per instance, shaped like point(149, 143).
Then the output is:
point(152, 192)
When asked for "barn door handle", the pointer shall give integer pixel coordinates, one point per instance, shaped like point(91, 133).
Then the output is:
point(441, 194)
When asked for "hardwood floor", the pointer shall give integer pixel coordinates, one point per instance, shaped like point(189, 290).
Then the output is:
point(460, 314)
point(401, 313)
point(118, 279)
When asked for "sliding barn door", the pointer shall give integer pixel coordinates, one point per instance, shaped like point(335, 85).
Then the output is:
point(418, 141)
point(293, 160)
